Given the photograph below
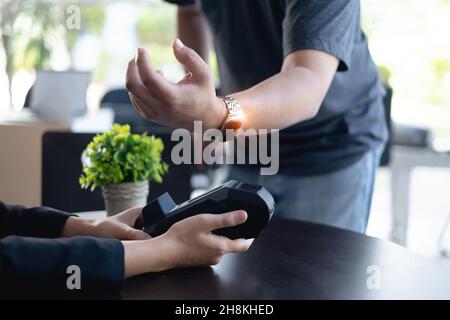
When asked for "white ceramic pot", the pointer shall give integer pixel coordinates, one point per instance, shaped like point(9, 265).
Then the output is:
point(122, 196)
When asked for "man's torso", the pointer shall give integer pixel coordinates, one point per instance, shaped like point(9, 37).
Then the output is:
point(248, 37)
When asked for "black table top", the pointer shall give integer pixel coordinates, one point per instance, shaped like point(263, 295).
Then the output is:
point(297, 260)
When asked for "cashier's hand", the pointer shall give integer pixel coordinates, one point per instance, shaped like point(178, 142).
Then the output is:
point(177, 105)
point(191, 242)
point(121, 226)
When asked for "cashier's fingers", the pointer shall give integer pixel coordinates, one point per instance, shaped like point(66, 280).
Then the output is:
point(238, 245)
point(129, 233)
point(211, 222)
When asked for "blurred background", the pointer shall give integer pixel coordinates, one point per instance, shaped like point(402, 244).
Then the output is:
point(408, 39)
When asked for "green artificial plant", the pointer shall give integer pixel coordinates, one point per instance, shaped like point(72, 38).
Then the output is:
point(118, 156)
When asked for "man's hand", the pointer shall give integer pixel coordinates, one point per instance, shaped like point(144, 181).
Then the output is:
point(120, 226)
point(177, 105)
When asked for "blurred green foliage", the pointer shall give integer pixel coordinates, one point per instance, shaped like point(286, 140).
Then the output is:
point(156, 25)
point(385, 74)
point(441, 68)
point(156, 30)
point(388, 31)
point(37, 51)
point(38, 22)
point(408, 42)
point(93, 19)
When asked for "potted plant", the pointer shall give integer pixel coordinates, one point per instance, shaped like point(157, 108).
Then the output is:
point(122, 164)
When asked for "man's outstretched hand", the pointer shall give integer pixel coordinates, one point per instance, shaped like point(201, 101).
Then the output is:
point(177, 105)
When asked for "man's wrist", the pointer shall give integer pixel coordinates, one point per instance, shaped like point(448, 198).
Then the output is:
point(221, 114)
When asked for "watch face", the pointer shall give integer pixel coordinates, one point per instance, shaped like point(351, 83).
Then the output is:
point(233, 124)
point(229, 129)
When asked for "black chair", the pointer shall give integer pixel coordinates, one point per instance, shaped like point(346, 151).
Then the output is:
point(124, 112)
point(399, 134)
point(387, 103)
point(27, 102)
point(119, 95)
point(61, 169)
point(178, 180)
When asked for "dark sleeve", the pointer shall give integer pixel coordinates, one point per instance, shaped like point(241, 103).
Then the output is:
point(31, 222)
point(323, 25)
point(181, 2)
point(36, 263)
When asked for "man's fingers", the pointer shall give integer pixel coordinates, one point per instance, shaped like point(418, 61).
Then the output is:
point(136, 104)
point(133, 81)
point(190, 60)
point(151, 79)
point(140, 107)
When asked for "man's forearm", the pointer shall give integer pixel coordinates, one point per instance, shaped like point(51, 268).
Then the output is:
point(193, 30)
point(282, 100)
point(291, 96)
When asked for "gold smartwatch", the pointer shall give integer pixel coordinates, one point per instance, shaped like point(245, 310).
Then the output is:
point(233, 121)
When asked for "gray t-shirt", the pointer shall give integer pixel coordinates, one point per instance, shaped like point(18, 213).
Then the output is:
point(251, 39)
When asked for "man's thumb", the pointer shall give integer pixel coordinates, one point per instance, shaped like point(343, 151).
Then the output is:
point(190, 59)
